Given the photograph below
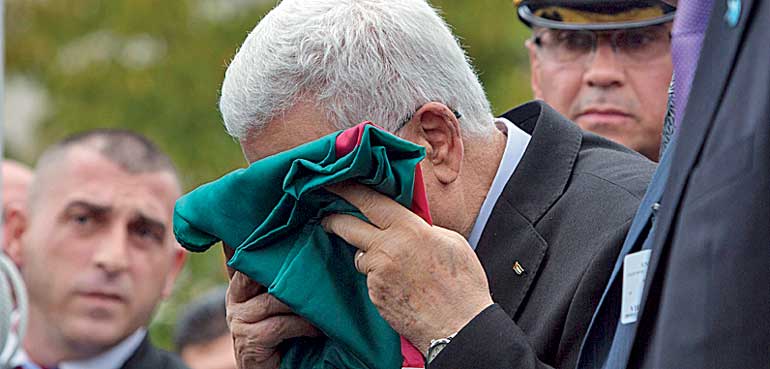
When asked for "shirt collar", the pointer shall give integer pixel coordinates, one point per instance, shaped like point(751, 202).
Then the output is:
point(515, 146)
point(110, 359)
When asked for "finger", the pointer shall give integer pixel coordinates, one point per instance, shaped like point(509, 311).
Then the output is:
point(229, 252)
point(257, 308)
point(291, 326)
point(253, 358)
point(270, 332)
point(381, 210)
point(242, 288)
point(354, 231)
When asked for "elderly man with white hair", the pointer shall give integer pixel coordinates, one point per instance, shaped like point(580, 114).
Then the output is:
point(529, 212)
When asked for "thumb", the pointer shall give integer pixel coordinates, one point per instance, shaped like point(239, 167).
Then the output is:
point(228, 255)
point(242, 288)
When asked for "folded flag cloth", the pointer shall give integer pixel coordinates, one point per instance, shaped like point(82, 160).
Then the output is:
point(270, 213)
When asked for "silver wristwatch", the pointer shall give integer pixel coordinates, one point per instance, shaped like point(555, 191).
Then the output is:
point(436, 346)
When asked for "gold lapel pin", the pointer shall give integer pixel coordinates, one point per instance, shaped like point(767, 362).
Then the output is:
point(517, 268)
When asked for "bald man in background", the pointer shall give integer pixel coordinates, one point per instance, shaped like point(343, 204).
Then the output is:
point(95, 249)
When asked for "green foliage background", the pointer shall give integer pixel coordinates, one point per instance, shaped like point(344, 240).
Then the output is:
point(173, 100)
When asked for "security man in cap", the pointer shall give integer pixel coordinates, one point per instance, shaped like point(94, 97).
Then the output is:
point(605, 64)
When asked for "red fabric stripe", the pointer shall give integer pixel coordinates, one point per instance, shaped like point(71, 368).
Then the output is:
point(348, 140)
point(420, 197)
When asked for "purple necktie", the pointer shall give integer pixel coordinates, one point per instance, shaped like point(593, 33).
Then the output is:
point(690, 25)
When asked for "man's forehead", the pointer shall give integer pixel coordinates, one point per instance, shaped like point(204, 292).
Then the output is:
point(300, 124)
point(88, 176)
point(88, 164)
point(270, 143)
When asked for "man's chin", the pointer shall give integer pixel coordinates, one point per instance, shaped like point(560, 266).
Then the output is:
point(605, 124)
point(616, 136)
point(96, 335)
point(617, 130)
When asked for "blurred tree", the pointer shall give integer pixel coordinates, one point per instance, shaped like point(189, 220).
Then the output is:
point(156, 67)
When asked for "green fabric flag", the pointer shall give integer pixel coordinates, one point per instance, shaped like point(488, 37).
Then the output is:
point(270, 213)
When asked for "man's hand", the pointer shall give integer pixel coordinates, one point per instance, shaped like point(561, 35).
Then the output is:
point(259, 323)
point(426, 281)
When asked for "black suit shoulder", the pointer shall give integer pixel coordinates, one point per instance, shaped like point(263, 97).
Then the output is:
point(620, 167)
point(607, 183)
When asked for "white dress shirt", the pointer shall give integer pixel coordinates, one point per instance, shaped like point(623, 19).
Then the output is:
point(113, 358)
point(514, 149)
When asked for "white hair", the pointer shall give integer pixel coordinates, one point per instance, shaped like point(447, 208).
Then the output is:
point(356, 60)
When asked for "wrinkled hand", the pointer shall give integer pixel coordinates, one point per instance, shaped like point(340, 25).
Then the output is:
point(426, 281)
point(259, 323)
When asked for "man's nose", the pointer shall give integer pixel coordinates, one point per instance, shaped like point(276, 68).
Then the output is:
point(112, 254)
point(605, 69)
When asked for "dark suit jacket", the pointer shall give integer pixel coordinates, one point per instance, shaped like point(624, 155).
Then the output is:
point(563, 217)
point(148, 356)
point(707, 294)
point(603, 333)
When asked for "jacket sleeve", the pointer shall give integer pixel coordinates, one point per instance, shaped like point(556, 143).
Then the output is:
point(492, 340)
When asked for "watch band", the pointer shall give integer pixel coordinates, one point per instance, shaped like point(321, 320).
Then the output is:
point(436, 346)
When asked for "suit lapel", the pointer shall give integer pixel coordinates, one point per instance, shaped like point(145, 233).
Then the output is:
point(508, 240)
point(716, 62)
point(510, 247)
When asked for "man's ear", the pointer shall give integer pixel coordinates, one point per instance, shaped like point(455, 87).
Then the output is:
point(435, 126)
point(534, 68)
point(13, 229)
point(177, 263)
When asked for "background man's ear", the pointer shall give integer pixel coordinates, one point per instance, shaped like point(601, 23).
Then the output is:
point(177, 263)
point(435, 126)
point(534, 65)
point(15, 223)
